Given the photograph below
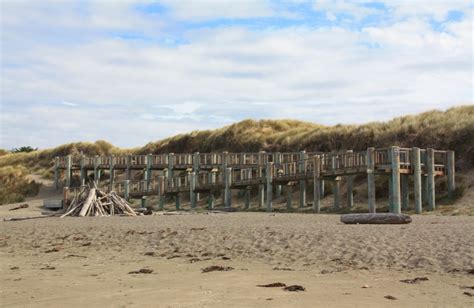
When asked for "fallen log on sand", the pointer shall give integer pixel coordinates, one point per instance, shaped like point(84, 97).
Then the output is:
point(375, 218)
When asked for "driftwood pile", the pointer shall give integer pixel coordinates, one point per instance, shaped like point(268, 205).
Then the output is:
point(94, 202)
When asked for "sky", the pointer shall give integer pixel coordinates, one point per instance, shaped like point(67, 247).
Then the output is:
point(131, 72)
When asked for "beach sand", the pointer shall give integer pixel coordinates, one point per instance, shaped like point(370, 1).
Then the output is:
point(75, 262)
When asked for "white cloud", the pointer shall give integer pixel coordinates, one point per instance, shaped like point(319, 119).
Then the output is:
point(134, 91)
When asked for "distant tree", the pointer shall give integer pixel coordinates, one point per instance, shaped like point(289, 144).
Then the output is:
point(25, 149)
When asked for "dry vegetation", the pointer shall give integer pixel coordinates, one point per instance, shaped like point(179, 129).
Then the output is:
point(452, 129)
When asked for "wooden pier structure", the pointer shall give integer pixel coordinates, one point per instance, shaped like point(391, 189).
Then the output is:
point(220, 173)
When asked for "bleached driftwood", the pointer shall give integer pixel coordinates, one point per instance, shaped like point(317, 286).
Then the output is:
point(94, 202)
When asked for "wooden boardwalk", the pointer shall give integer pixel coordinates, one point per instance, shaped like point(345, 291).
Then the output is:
point(207, 173)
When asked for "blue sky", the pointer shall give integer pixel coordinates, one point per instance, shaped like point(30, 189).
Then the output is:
point(131, 72)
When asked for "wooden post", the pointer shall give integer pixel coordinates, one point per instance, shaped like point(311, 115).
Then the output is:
point(227, 185)
point(144, 202)
point(170, 164)
point(83, 171)
point(431, 178)
point(126, 191)
point(177, 201)
point(396, 204)
point(269, 179)
point(336, 191)
point(128, 170)
point(261, 187)
point(416, 161)
point(317, 184)
point(148, 171)
point(336, 186)
point(350, 191)
point(301, 169)
point(65, 197)
point(224, 163)
point(450, 173)
point(247, 197)
point(96, 169)
point(68, 170)
point(161, 193)
point(371, 179)
point(111, 173)
point(211, 198)
point(321, 191)
point(56, 172)
point(196, 169)
point(405, 193)
point(277, 161)
point(192, 187)
point(289, 196)
point(349, 163)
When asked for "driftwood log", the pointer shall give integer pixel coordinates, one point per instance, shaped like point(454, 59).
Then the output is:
point(375, 218)
point(94, 202)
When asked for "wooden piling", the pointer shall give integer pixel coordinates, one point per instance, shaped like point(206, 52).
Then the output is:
point(395, 187)
point(405, 192)
point(192, 187)
point(430, 165)
point(177, 201)
point(170, 165)
point(111, 173)
point(247, 197)
point(416, 169)
point(371, 179)
point(196, 169)
point(148, 171)
point(348, 163)
point(96, 169)
point(68, 170)
point(227, 185)
point(83, 171)
point(317, 183)
point(65, 197)
point(289, 196)
point(269, 179)
point(128, 170)
point(336, 186)
point(301, 169)
point(126, 190)
point(350, 191)
point(277, 160)
point(450, 173)
point(261, 187)
point(336, 191)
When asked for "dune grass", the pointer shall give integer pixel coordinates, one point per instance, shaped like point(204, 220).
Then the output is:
point(15, 185)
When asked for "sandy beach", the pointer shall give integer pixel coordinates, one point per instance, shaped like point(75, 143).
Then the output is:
point(77, 261)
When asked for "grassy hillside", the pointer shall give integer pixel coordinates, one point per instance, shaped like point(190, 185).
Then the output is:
point(451, 129)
